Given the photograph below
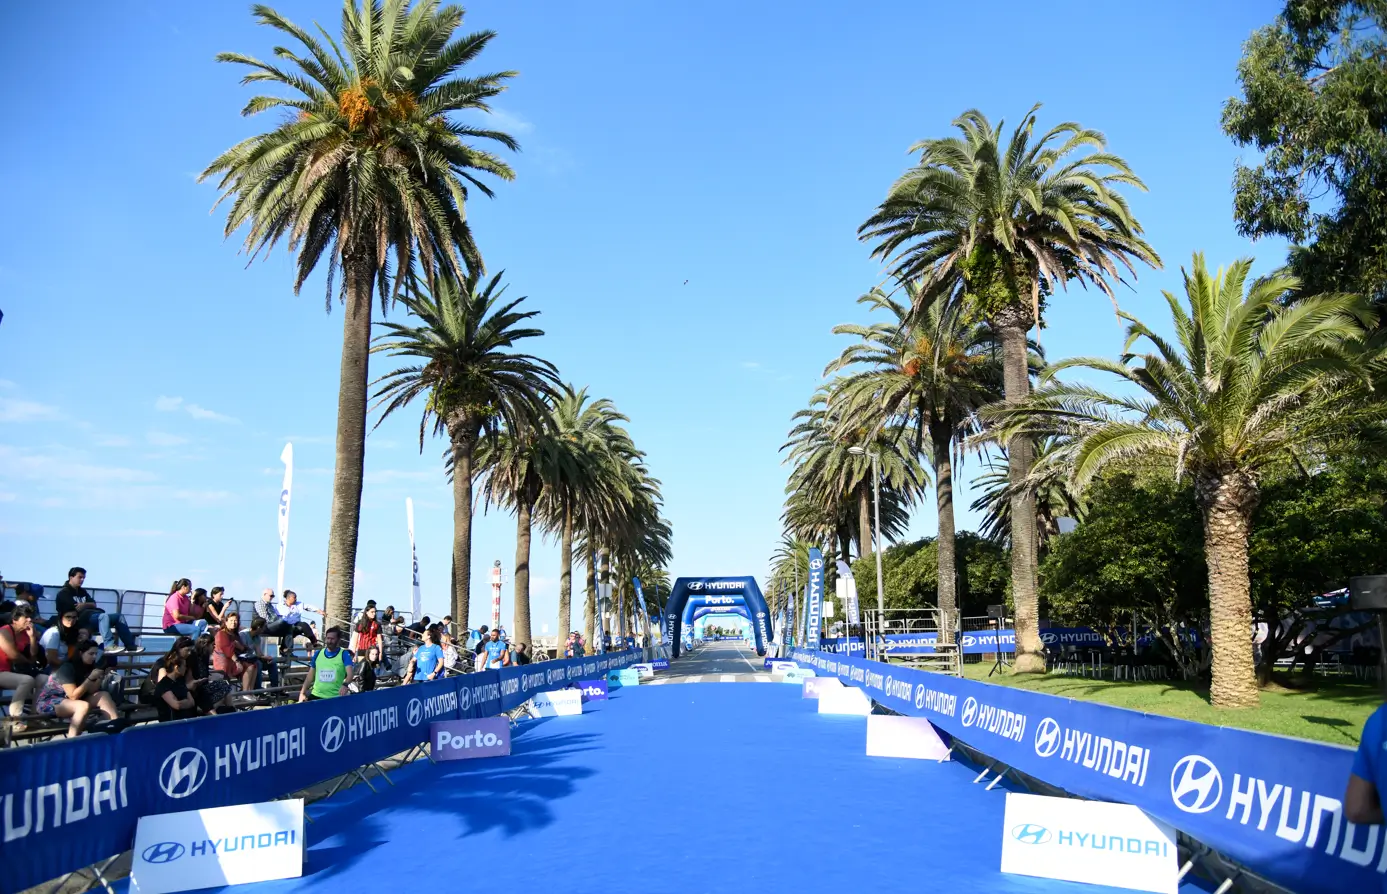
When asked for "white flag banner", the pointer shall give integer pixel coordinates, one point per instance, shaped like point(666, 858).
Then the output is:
point(847, 591)
point(287, 457)
point(413, 557)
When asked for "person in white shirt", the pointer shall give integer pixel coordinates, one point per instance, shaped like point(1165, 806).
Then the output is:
point(292, 612)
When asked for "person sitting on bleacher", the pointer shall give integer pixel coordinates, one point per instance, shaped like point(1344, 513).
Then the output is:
point(229, 653)
point(21, 661)
point(74, 689)
point(254, 640)
point(216, 608)
point(213, 694)
point(279, 625)
point(74, 597)
point(24, 594)
point(171, 697)
point(179, 617)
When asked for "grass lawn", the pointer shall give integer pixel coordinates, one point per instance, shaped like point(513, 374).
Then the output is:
point(1327, 711)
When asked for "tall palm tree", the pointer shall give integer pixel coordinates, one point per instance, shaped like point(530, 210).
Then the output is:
point(368, 168)
point(1008, 224)
point(472, 381)
point(932, 370)
point(1049, 485)
point(1249, 380)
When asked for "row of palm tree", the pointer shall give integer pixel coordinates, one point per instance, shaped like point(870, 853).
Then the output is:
point(367, 174)
point(978, 237)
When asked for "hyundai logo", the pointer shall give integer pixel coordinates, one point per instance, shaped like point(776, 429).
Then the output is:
point(970, 711)
point(1195, 784)
point(464, 698)
point(415, 712)
point(1030, 833)
point(919, 695)
point(163, 852)
point(816, 564)
point(1047, 737)
point(183, 772)
point(332, 734)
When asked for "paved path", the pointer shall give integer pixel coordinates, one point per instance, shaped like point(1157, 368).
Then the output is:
point(717, 662)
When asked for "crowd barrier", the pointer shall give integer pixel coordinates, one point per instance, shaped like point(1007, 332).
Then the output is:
point(1270, 802)
point(973, 642)
point(71, 803)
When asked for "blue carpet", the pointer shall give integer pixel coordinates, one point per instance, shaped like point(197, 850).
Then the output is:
point(675, 789)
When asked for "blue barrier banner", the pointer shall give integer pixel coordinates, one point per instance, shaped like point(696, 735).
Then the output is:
point(69, 803)
point(973, 642)
point(1270, 802)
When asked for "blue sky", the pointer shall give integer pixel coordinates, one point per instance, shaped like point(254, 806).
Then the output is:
point(149, 378)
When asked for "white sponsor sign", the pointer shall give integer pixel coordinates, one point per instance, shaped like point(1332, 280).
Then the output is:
point(1088, 841)
point(780, 667)
point(559, 703)
point(646, 671)
point(914, 737)
point(218, 846)
point(828, 609)
point(846, 700)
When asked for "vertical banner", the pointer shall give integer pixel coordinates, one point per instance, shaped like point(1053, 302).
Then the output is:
point(791, 633)
point(816, 595)
point(645, 613)
point(603, 590)
point(287, 457)
point(415, 606)
point(847, 592)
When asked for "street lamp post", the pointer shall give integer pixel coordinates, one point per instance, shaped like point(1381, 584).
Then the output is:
point(876, 534)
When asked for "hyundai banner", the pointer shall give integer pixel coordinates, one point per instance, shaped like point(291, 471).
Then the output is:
point(815, 598)
point(975, 642)
point(195, 849)
point(1270, 802)
point(68, 804)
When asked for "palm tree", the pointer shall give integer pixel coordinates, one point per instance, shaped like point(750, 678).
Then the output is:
point(1050, 489)
point(472, 382)
point(367, 168)
point(932, 370)
point(1007, 225)
point(1250, 381)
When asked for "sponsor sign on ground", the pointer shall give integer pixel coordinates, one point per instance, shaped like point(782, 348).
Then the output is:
point(1088, 841)
point(593, 690)
point(459, 740)
point(845, 700)
point(889, 735)
point(217, 846)
point(563, 703)
point(814, 686)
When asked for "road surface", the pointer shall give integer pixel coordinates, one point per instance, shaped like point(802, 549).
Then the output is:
point(725, 661)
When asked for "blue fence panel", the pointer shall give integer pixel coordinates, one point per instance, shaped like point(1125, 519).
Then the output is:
point(68, 804)
point(1270, 802)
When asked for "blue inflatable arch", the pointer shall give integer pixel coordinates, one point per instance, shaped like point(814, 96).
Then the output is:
point(724, 593)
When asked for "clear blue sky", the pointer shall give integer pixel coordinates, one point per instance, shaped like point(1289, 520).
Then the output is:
point(149, 379)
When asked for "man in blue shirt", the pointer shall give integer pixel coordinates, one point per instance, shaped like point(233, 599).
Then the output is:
point(497, 652)
point(427, 663)
point(1363, 800)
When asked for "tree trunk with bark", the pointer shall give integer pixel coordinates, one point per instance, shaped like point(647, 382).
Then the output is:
point(1227, 501)
point(1013, 323)
point(352, 388)
point(524, 515)
point(604, 577)
point(566, 577)
point(589, 607)
point(464, 443)
point(864, 519)
point(941, 437)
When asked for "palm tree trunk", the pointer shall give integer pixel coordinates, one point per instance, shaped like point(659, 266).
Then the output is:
point(1014, 322)
point(566, 576)
point(352, 388)
point(941, 435)
point(463, 443)
point(606, 578)
point(521, 621)
point(1228, 502)
point(864, 520)
point(590, 607)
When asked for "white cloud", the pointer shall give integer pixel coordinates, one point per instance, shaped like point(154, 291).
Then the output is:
point(750, 364)
point(15, 410)
point(7, 385)
point(174, 404)
point(62, 467)
point(113, 441)
point(510, 122)
point(164, 439)
point(168, 404)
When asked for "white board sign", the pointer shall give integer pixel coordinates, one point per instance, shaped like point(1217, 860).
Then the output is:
point(218, 846)
point(845, 700)
point(1088, 841)
point(559, 703)
point(780, 667)
point(915, 737)
point(828, 608)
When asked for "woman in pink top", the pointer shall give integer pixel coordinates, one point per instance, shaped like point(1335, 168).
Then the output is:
point(178, 611)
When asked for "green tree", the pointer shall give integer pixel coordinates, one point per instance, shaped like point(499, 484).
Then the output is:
point(1314, 103)
point(932, 370)
point(910, 574)
point(1248, 382)
point(1048, 483)
point(1007, 221)
point(473, 384)
point(367, 168)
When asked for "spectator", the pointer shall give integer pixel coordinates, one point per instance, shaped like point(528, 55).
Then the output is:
point(74, 597)
point(447, 623)
point(522, 654)
point(367, 631)
point(199, 599)
point(254, 640)
point(427, 663)
point(292, 612)
point(275, 625)
point(229, 655)
point(74, 689)
point(24, 594)
point(450, 651)
point(171, 697)
point(1367, 781)
point(420, 626)
point(356, 622)
point(329, 670)
point(21, 661)
point(61, 641)
point(209, 687)
point(368, 669)
point(216, 608)
point(178, 611)
point(497, 654)
point(482, 636)
point(573, 648)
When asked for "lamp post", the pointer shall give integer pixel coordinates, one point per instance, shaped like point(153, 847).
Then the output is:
point(876, 534)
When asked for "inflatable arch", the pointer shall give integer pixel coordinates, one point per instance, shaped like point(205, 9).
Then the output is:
point(705, 610)
point(726, 594)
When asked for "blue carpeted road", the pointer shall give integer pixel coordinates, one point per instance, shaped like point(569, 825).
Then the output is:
point(708, 787)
